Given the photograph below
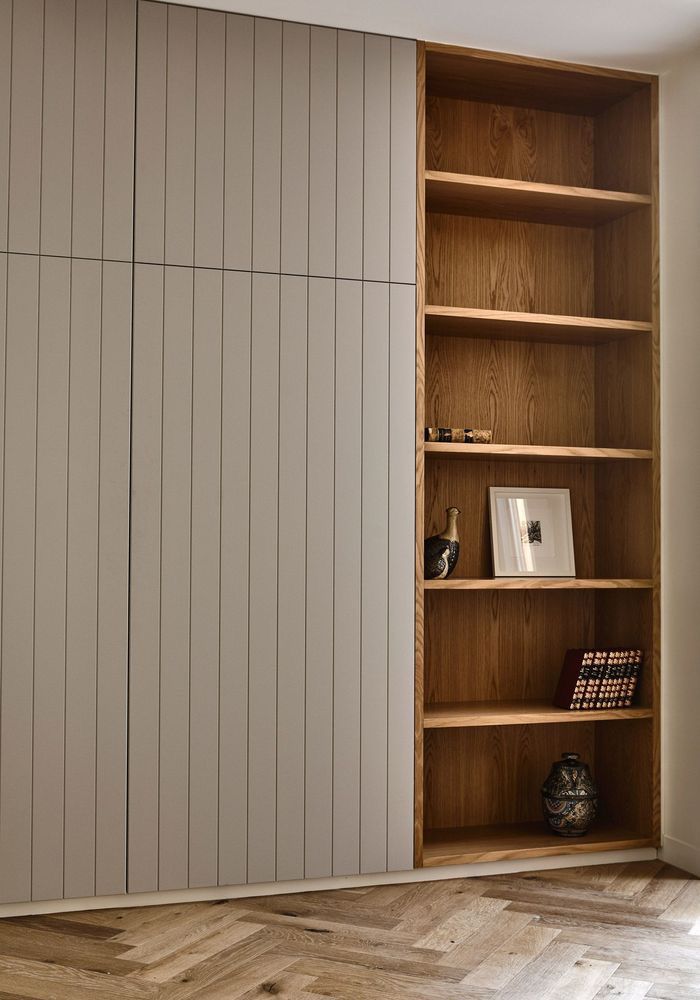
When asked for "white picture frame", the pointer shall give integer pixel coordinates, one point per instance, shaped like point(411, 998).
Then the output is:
point(531, 532)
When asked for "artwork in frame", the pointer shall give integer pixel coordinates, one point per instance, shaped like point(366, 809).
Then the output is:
point(531, 532)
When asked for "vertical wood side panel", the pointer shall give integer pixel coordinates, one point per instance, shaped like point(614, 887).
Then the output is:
point(113, 580)
point(50, 578)
point(209, 175)
point(238, 144)
point(348, 578)
point(349, 221)
point(89, 125)
point(25, 126)
point(205, 569)
point(119, 128)
point(267, 142)
point(180, 136)
point(57, 135)
point(402, 483)
point(5, 91)
point(82, 576)
point(144, 669)
point(262, 743)
point(173, 810)
point(375, 507)
point(402, 231)
point(322, 150)
point(377, 157)
point(291, 588)
point(235, 519)
point(149, 180)
point(320, 458)
point(16, 680)
point(294, 220)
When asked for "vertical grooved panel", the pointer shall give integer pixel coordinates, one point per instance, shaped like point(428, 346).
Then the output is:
point(16, 679)
point(351, 55)
point(294, 217)
point(205, 577)
point(25, 126)
point(89, 124)
point(113, 581)
point(264, 485)
point(320, 458)
point(238, 146)
point(144, 670)
point(82, 576)
point(402, 228)
point(149, 179)
point(267, 139)
point(209, 172)
point(402, 369)
point(180, 135)
point(377, 157)
point(348, 584)
point(119, 129)
point(375, 520)
point(291, 587)
point(57, 137)
point(5, 91)
point(173, 813)
point(235, 520)
point(50, 594)
point(322, 150)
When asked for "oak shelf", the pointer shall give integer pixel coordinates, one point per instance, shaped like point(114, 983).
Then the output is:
point(553, 204)
point(536, 583)
point(459, 715)
point(533, 453)
point(456, 321)
point(501, 842)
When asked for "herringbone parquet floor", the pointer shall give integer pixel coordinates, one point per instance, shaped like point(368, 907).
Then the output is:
point(616, 931)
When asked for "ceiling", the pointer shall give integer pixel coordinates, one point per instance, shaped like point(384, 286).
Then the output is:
point(630, 34)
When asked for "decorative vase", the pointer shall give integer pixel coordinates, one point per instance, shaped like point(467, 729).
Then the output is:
point(442, 551)
point(569, 797)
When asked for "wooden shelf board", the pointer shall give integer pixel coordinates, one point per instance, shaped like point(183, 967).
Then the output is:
point(521, 840)
point(526, 201)
point(536, 583)
point(529, 452)
point(461, 715)
point(455, 321)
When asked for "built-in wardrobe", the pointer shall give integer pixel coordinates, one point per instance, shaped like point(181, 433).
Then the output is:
point(208, 307)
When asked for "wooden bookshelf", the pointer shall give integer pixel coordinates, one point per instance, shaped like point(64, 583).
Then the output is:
point(538, 318)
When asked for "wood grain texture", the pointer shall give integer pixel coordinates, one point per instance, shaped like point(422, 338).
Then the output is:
point(622, 930)
point(500, 324)
point(537, 583)
point(466, 715)
point(501, 78)
point(554, 204)
point(518, 266)
point(494, 140)
point(539, 452)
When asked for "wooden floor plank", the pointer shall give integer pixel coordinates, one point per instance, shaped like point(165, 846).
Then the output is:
point(616, 932)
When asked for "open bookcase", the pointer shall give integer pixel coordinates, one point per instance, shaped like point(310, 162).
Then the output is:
point(537, 318)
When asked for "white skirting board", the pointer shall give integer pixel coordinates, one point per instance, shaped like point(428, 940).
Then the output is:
point(681, 854)
point(317, 884)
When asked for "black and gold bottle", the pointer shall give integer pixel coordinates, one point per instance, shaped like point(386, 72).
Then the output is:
point(442, 551)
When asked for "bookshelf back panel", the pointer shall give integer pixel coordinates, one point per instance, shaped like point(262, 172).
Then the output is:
point(525, 392)
point(623, 144)
point(623, 267)
point(625, 772)
point(502, 645)
point(497, 140)
point(494, 774)
point(500, 264)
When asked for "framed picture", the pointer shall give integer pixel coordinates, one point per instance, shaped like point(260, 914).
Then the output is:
point(531, 532)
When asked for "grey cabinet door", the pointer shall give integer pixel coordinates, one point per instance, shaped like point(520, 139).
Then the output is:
point(65, 549)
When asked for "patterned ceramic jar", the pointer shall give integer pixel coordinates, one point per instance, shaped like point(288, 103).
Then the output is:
point(569, 797)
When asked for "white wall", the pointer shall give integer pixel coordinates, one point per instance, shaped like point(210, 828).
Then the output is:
point(680, 366)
